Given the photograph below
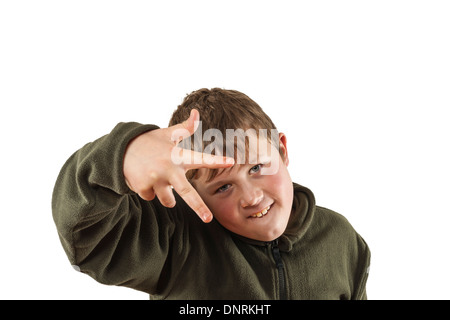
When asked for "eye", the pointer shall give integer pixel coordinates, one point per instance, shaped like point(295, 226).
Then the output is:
point(223, 188)
point(256, 169)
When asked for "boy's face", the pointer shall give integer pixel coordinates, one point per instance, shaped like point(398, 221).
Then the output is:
point(253, 199)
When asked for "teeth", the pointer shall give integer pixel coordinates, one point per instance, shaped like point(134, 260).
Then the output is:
point(262, 213)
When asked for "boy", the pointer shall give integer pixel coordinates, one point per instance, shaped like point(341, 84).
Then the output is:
point(125, 207)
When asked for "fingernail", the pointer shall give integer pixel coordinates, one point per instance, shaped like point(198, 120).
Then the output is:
point(207, 218)
point(229, 161)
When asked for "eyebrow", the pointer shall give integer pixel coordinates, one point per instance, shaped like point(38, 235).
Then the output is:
point(218, 183)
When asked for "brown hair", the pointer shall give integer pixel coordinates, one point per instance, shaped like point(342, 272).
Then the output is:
point(221, 109)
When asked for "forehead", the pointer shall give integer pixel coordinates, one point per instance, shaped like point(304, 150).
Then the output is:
point(248, 156)
point(210, 176)
point(248, 147)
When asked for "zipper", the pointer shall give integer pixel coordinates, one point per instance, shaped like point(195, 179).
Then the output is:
point(281, 272)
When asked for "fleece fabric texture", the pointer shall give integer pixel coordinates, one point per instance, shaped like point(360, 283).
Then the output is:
point(111, 234)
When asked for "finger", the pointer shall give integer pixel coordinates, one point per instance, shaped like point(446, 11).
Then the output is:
point(192, 198)
point(194, 160)
point(165, 195)
point(144, 190)
point(148, 195)
point(186, 128)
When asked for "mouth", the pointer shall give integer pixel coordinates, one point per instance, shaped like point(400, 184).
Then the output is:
point(260, 214)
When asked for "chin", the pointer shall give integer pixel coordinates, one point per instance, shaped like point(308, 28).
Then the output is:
point(268, 235)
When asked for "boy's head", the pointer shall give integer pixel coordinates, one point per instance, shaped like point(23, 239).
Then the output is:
point(254, 197)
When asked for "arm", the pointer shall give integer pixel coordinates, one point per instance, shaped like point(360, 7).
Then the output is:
point(117, 235)
point(362, 270)
point(104, 227)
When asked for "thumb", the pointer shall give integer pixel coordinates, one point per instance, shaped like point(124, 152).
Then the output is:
point(186, 128)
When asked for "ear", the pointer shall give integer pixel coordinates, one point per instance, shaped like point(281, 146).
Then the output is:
point(283, 147)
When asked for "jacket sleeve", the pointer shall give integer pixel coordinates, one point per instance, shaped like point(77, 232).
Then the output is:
point(106, 230)
point(362, 270)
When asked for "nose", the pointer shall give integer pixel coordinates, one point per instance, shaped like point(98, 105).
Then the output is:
point(251, 197)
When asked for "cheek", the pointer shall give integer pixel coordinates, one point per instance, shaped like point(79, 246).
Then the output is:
point(223, 209)
point(275, 181)
point(280, 188)
point(279, 181)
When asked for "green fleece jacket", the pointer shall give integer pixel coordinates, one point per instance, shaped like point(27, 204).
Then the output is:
point(111, 234)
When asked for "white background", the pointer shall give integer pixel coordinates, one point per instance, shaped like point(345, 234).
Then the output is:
point(361, 88)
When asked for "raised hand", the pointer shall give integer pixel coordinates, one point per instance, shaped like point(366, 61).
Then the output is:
point(150, 169)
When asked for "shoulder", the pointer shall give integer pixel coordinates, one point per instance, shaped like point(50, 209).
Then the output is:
point(334, 228)
point(326, 218)
point(332, 238)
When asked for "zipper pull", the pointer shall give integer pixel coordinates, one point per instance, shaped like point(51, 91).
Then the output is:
point(276, 254)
